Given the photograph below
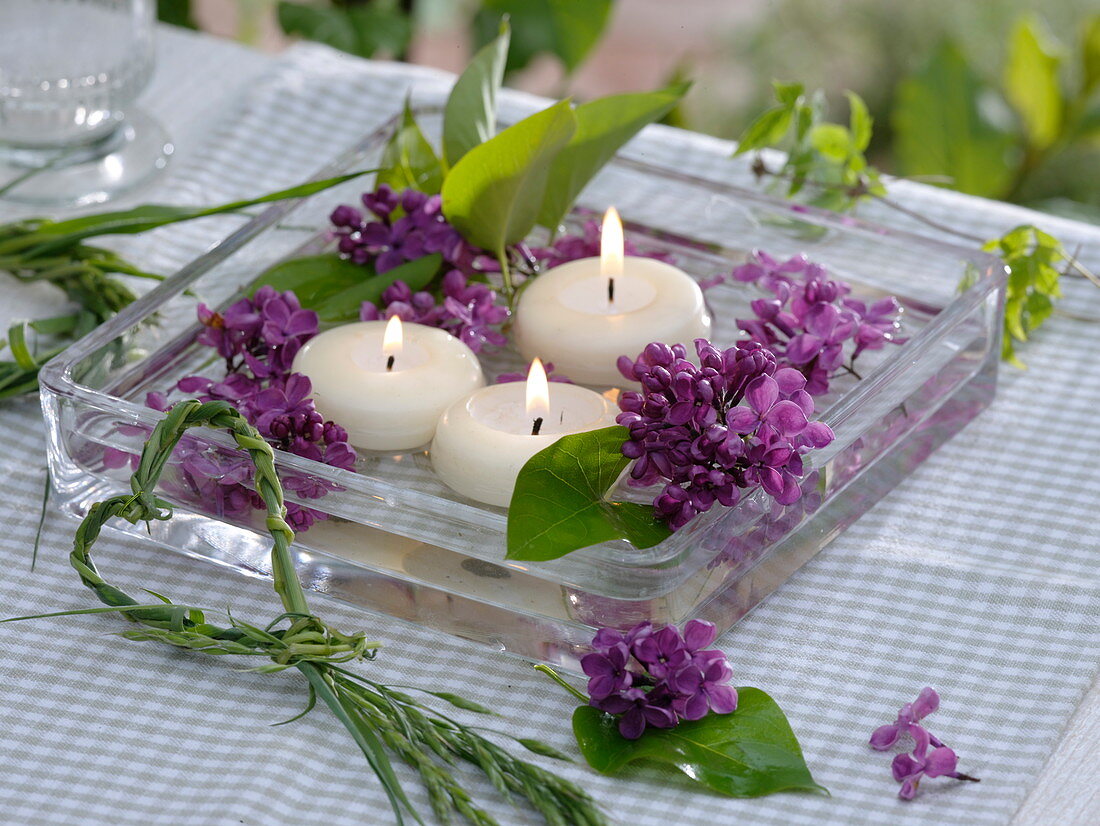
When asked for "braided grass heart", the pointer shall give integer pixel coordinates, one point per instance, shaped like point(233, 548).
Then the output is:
point(379, 718)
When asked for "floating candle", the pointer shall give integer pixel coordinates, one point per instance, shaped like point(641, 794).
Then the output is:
point(387, 383)
point(483, 441)
point(584, 314)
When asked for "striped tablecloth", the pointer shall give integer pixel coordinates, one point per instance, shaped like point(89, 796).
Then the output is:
point(977, 575)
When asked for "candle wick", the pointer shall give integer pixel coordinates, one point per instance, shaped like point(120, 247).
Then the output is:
point(389, 363)
point(611, 291)
point(536, 426)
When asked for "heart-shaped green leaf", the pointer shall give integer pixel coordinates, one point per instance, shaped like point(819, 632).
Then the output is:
point(748, 753)
point(409, 160)
point(603, 126)
point(559, 502)
point(492, 195)
point(470, 116)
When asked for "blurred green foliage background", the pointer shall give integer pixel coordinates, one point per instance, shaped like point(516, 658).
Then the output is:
point(999, 98)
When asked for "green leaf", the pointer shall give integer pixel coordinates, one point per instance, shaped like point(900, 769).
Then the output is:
point(1033, 282)
point(567, 29)
point(335, 287)
point(17, 343)
point(321, 23)
point(1031, 83)
point(51, 236)
point(788, 93)
point(492, 196)
point(381, 27)
point(558, 505)
point(748, 753)
point(176, 12)
point(832, 140)
point(939, 128)
point(603, 126)
point(767, 130)
point(408, 160)
point(343, 306)
point(363, 29)
point(313, 278)
point(470, 116)
point(860, 122)
point(1090, 56)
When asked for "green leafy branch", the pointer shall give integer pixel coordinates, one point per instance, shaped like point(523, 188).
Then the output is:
point(828, 157)
point(497, 187)
point(1033, 257)
point(379, 718)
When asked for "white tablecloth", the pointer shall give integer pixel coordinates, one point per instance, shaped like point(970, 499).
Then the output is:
point(977, 575)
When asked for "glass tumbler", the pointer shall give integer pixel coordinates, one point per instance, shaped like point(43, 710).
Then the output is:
point(70, 71)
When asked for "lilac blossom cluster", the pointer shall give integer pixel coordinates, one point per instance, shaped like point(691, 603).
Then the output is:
point(908, 769)
point(410, 225)
point(470, 310)
point(706, 432)
point(585, 244)
point(258, 337)
point(405, 226)
point(657, 677)
point(810, 318)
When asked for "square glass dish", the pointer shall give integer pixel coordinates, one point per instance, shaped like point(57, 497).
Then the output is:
point(396, 540)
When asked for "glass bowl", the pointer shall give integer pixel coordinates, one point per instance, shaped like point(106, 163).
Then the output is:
point(396, 540)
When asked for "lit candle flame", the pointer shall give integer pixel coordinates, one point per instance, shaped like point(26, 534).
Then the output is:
point(393, 341)
point(538, 396)
point(611, 250)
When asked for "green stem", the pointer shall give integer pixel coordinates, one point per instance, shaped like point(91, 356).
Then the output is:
point(557, 678)
point(505, 275)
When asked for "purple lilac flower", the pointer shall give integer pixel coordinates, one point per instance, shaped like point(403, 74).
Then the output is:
point(258, 337)
point(908, 769)
point(469, 311)
point(407, 226)
point(706, 432)
point(264, 332)
point(607, 671)
point(810, 319)
point(585, 244)
point(639, 708)
point(909, 716)
point(656, 677)
point(226, 332)
point(703, 688)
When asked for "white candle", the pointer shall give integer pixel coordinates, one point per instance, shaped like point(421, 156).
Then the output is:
point(385, 383)
point(483, 441)
point(584, 314)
